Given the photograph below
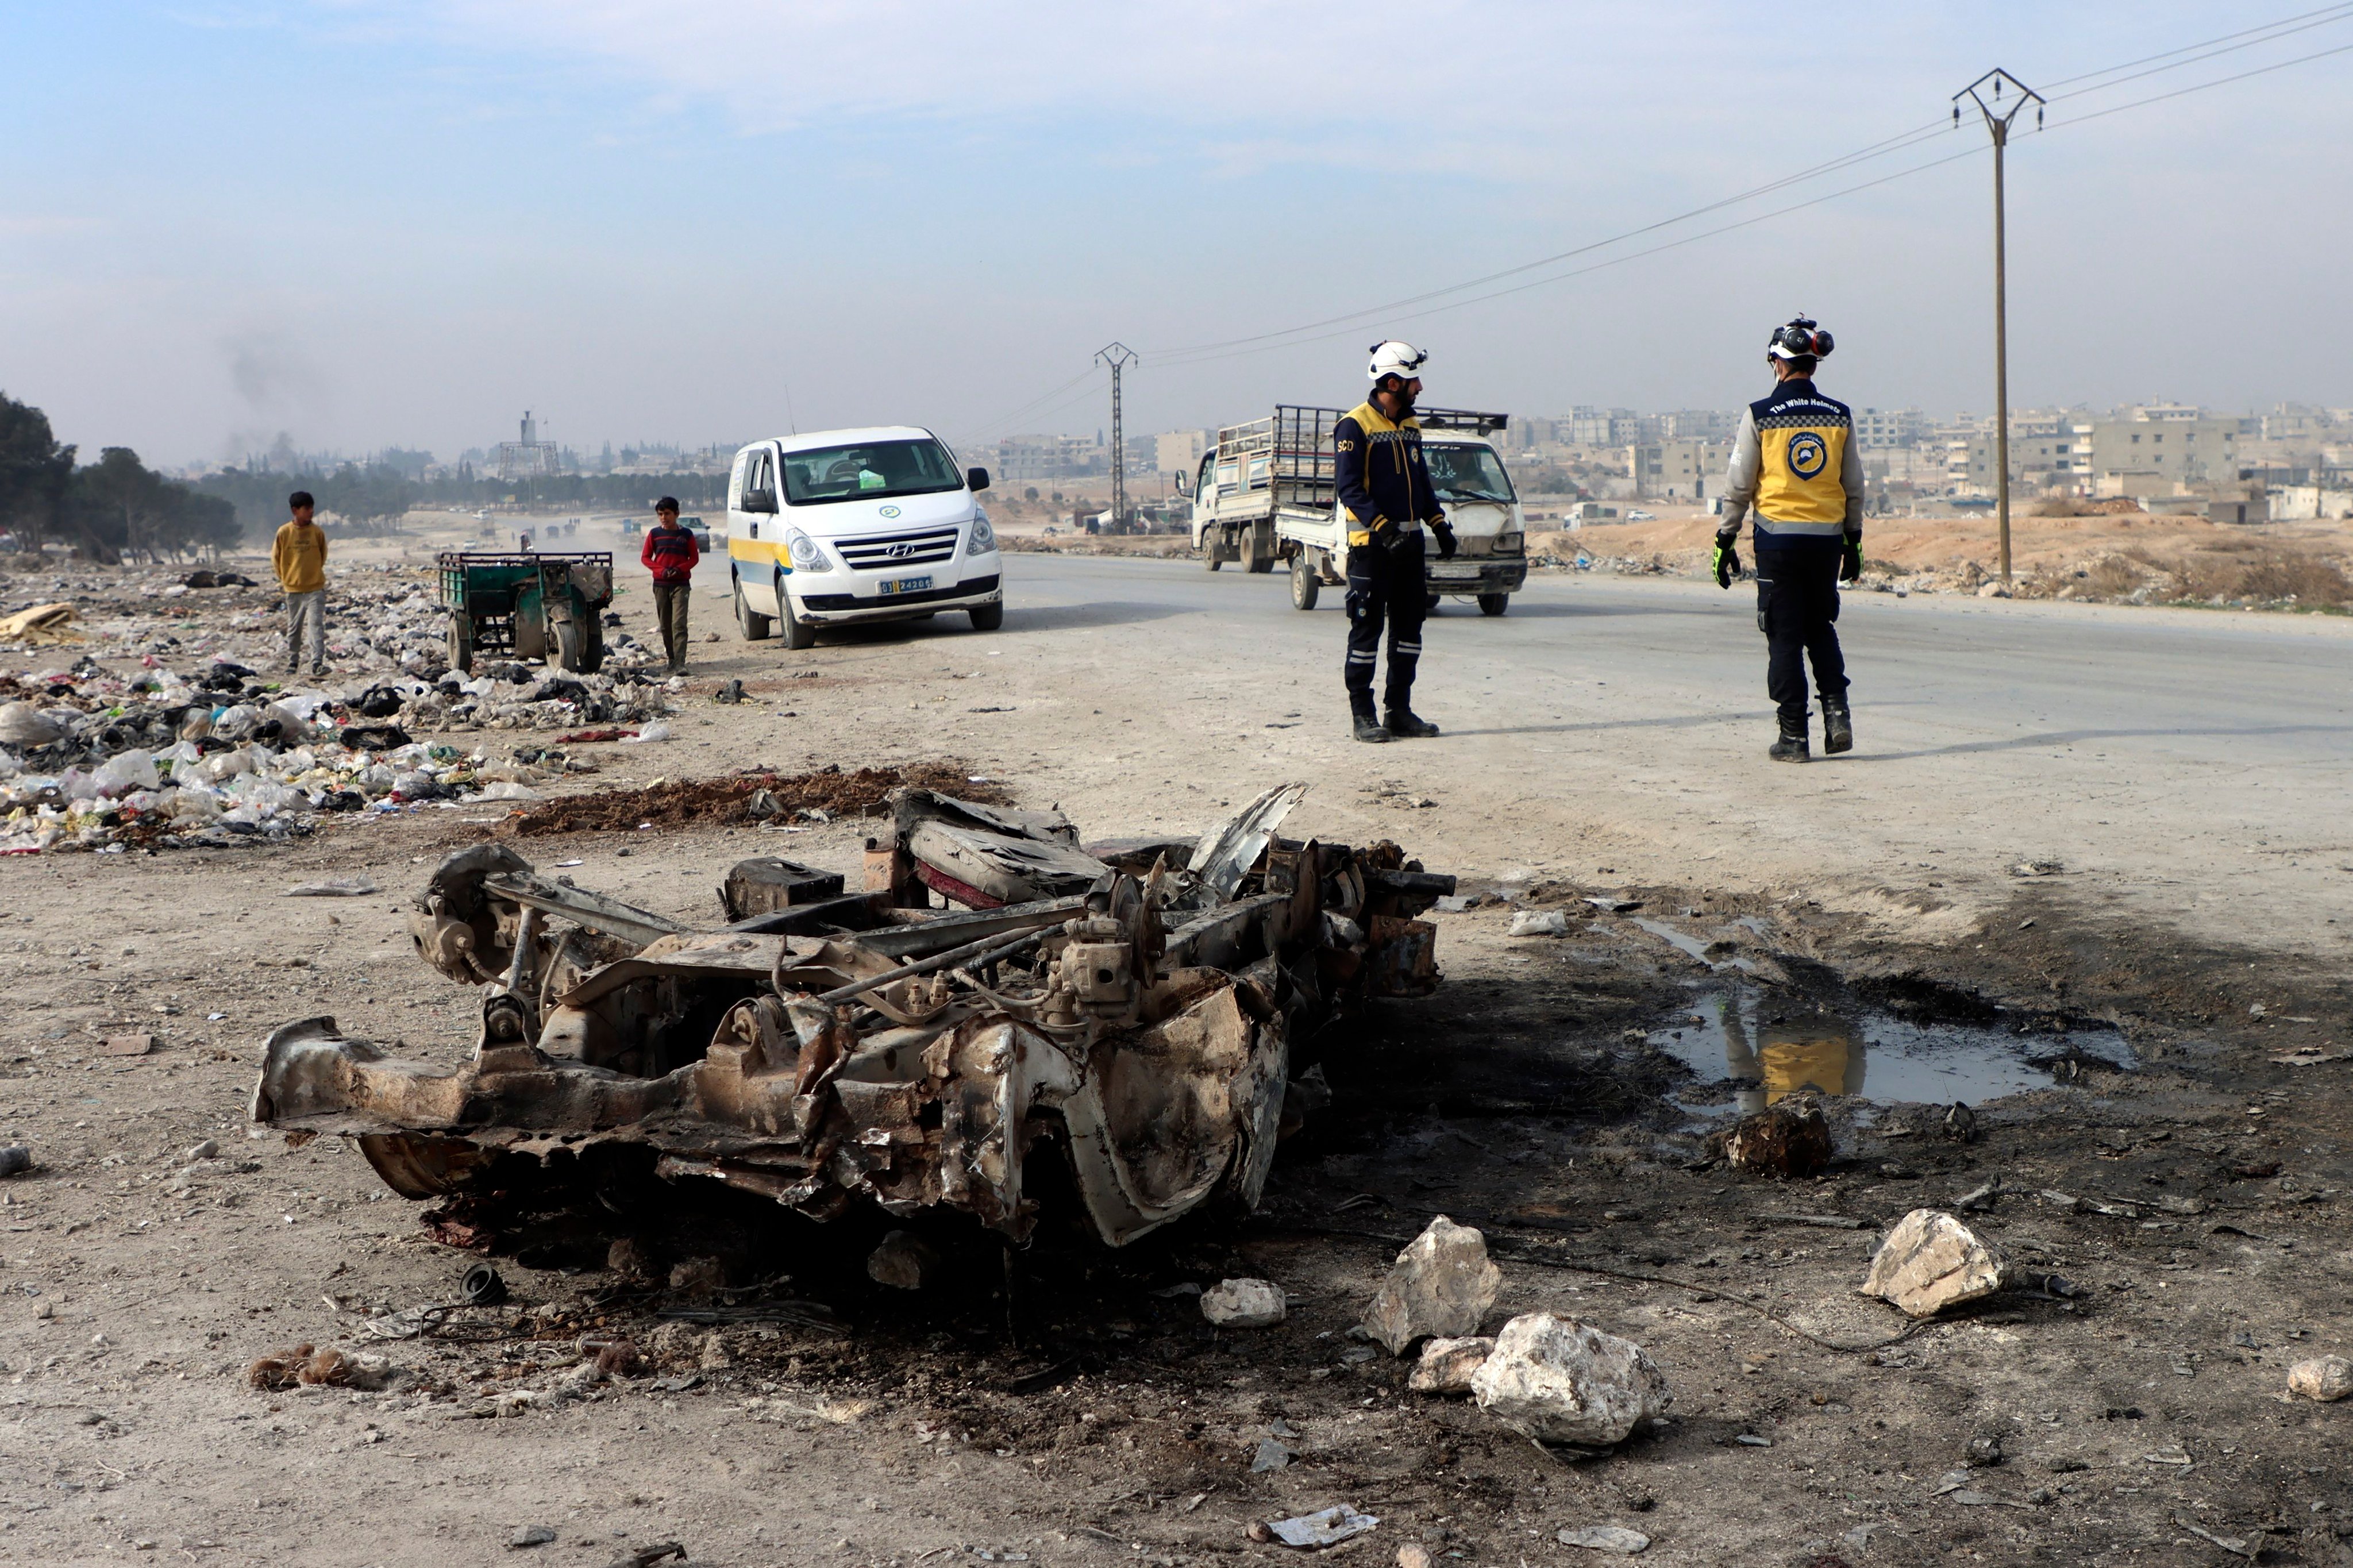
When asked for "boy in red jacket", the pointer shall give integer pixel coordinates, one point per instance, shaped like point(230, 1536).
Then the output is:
point(669, 552)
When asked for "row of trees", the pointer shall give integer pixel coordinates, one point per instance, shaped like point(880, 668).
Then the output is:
point(117, 509)
point(113, 509)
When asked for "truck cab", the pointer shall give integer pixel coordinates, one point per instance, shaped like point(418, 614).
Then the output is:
point(1266, 492)
point(844, 526)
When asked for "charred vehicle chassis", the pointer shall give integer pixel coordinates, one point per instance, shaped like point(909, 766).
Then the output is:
point(1126, 1011)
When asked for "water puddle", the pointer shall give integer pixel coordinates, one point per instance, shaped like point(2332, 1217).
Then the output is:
point(1763, 1050)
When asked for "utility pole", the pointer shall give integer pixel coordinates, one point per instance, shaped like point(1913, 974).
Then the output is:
point(1986, 93)
point(1118, 356)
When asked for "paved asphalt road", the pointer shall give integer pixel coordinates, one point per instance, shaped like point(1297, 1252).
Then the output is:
point(2186, 766)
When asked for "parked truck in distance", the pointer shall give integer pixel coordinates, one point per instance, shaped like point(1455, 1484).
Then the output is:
point(1266, 492)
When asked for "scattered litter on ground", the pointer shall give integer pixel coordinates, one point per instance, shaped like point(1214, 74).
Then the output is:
point(1539, 922)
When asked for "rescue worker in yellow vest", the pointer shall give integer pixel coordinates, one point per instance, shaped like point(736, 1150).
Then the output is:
point(1386, 499)
point(1795, 467)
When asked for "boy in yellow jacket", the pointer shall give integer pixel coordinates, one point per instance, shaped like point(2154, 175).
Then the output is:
point(299, 558)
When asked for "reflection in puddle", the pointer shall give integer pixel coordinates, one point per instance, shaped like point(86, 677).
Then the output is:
point(1767, 1056)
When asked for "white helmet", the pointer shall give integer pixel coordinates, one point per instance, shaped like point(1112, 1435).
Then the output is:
point(1394, 358)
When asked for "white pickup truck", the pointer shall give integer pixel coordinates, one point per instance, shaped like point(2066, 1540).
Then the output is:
point(1266, 492)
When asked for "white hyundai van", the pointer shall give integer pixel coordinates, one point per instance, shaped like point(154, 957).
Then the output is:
point(858, 525)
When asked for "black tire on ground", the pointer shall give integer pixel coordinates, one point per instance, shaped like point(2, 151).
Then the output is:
point(1306, 579)
point(1253, 560)
point(988, 617)
point(1494, 604)
point(797, 633)
point(1430, 606)
point(754, 628)
point(461, 648)
point(592, 647)
point(1209, 550)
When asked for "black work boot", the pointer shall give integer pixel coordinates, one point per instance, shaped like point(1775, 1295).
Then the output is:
point(1369, 727)
point(1792, 746)
point(1407, 725)
point(1838, 727)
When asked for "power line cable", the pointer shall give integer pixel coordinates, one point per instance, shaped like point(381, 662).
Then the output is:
point(2278, 29)
point(1902, 141)
point(2191, 54)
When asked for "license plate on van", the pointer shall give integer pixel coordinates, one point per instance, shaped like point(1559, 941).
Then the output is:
point(906, 585)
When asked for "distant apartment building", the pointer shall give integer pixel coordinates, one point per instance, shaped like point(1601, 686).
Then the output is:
point(1029, 459)
point(2153, 448)
point(1678, 470)
point(1880, 429)
point(1603, 426)
point(1180, 451)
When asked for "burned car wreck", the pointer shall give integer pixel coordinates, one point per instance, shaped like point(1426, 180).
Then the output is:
point(1116, 1022)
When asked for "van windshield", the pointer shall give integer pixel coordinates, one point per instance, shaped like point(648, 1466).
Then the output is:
point(868, 472)
point(1462, 472)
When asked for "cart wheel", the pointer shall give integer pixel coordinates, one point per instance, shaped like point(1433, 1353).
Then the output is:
point(566, 637)
point(798, 632)
point(1305, 580)
point(592, 646)
point(1494, 604)
point(461, 648)
point(754, 628)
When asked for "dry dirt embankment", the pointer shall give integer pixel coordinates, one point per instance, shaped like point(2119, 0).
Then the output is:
point(2131, 558)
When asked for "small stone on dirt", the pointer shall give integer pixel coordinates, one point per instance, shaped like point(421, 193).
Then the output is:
point(1446, 1364)
point(1243, 1304)
point(1413, 1554)
point(1606, 1538)
point(2326, 1378)
point(1270, 1456)
point(530, 1535)
point(903, 1261)
point(697, 1276)
point(1791, 1139)
point(15, 1159)
point(1556, 1380)
point(1931, 1261)
point(1441, 1286)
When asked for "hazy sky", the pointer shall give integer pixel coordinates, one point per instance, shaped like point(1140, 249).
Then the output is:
point(375, 224)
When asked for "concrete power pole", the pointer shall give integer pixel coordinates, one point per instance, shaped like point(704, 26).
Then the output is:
point(1119, 356)
point(1986, 93)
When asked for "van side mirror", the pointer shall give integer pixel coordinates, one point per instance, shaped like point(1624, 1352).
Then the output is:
point(758, 500)
point(976, 478)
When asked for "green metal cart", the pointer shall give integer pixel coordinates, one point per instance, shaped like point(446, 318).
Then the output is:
point(527, 605)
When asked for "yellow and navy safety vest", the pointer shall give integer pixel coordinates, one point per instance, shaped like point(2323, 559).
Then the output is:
point(1802, 437)
point(1379, 470)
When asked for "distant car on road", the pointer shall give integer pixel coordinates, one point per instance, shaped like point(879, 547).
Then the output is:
point(695, 526)
point(1639, 515)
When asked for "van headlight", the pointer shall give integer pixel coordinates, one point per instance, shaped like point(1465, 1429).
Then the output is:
point(806, 556)
point(1511, 542)
point(983, 540)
